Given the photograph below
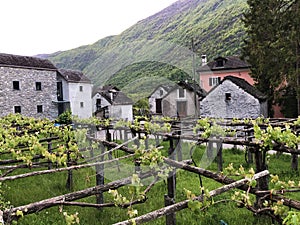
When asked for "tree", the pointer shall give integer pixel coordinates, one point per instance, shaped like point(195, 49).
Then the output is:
point(272, 28)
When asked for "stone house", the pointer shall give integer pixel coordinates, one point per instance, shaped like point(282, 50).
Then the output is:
point(156, 97)
point(182, 100)
point(28, 86)
point(110, 102)
point(74, 92)
point(234, 98)
point(213, 72)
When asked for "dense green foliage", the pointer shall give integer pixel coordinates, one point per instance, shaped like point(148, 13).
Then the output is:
point(272, 47)
point(164, 38)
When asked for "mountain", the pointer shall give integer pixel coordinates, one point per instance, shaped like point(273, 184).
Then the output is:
point(159, 48)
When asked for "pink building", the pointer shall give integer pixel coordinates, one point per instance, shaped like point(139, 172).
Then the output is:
point(212, 73)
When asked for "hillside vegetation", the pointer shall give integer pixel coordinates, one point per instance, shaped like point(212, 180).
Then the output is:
point(165, 38)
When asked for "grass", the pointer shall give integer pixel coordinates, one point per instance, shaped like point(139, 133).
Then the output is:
point(25, 191)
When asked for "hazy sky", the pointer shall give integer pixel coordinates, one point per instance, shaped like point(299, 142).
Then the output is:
point(30, 27)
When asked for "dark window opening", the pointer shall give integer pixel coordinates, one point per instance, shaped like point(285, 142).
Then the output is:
point(181, 93)
point(17, 109)
point(227, 96)
point(80, 88)
point(38, 86)
point(158, 105)
point(98, 103)
point(220, 63)
point(81, 105)
point(39, 109)
point(161, 92)
point(60, 96)
point(16, 85)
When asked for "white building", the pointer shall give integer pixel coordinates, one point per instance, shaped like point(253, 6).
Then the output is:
point(110, 102)
point(76, 89)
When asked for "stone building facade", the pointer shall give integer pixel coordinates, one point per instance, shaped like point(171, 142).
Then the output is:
point(28, 86)
point(182, 100)
point(156, 97)
point(234, 98)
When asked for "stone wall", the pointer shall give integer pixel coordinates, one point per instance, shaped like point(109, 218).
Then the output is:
point(27, 97)
point(159, 93)
point(240, 105)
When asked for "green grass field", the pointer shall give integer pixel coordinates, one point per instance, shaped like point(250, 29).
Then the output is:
point(28, 190)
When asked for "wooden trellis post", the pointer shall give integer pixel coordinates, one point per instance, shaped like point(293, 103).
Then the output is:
point(171, 183)
point(260, 162)
point(249, 153)
point(100, 176)
point(50, 151)
point(294, 162)
point(69, 184)
point(220, 155)
point(179, 147)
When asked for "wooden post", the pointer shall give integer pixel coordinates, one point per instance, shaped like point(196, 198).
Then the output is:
point(69, 184)
point(249, 153)
point(108, 138)
point(171, 183)
point(50, 151)
point(179, 147)
point(262, 183)
point(220, 156)
point(100, 176)
point(294, 162)
point(209, 151)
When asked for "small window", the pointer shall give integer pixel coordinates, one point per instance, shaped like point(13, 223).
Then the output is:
point(227, 96)
point(38, 86)
point(16, 85)
point(81, 88)
point(220, 63)
point(213, 81)
point(81, 105)
point(39, 109)
point(98, 103)
point(17, 109)
point(181, 93)
point(161, 92)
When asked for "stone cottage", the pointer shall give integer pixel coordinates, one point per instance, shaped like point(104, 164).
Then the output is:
point(234, 98)
point(110, 102)
point(74, 92)
point(182, 100)
point(28, 86)
point(156, 97)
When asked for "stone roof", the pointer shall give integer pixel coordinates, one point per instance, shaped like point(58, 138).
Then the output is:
point(246, 87)
point(166, 87)
point(192, 87)
point(189, 86)
point(113, 95)
point(228, 63)
point(74, 76)
point(25, 62)
point(121, 99)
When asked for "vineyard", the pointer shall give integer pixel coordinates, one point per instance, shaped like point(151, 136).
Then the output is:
point(158, 171)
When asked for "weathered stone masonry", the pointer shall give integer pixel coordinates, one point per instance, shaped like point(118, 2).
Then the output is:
point(27, 96)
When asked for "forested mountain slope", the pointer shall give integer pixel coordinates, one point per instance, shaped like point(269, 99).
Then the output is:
point(166, 37)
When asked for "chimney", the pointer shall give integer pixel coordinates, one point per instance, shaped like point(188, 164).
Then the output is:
point(203, 60)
